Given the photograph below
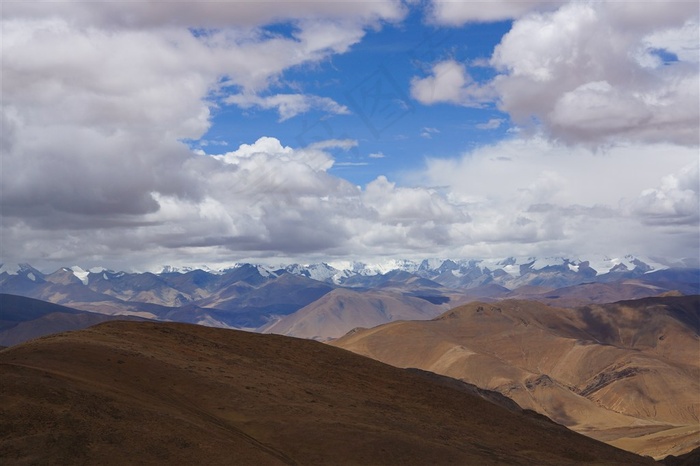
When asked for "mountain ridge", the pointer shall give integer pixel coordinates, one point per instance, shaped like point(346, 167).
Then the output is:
point(324, 271)
point(253, 297)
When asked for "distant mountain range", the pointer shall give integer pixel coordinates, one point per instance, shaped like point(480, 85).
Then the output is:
point(322, 301)
point(510, 272)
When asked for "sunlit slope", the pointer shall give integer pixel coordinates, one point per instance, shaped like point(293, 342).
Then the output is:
point(341, 310)
point(610, 371)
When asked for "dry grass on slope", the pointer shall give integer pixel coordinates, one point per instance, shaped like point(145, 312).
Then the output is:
point(164, 393)
point(626, 373)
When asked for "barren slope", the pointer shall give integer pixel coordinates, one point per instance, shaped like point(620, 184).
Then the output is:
point(164, 393)
point(341, 310)
point(622, 373)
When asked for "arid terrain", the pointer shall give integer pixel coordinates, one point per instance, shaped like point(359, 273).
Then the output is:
point(341, 310)
point(165, 393)
point(626, 373)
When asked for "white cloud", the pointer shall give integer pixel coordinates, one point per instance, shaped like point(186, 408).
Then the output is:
point(398, 204)
point(427, 132)
point(451, 13)
point(584, 72)
point(288, 105)
point(536, 197)
point(675, 201)
point(376, 155)
point(267, 200)
point(97, 97)
point(286, 192)
point(683, 42)
point(262, 200)
point(345, 144)
point(450, 83)
point(90, 134)
point(587, 73)
point(269, 150)
point(493, 123)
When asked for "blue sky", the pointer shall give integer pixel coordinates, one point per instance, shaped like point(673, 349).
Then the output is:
point(186, 133)
point(373, 82)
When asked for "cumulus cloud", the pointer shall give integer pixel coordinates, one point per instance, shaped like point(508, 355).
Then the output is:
point(588, 72)
point(450, 82)
point(268, 200)
point(261, 200)
point(399, 204)
point(532, 195)
point(98, 97)
point(675, 201)
point(591, 73)
point(89, 135)
point(94, 116)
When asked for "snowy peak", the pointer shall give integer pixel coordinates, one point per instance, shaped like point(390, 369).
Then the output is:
point(376, 268)
point(172, 269)
point(21, 270)
point(18, 269)
point(605, 264)
point(80, 274)
point(321, 272)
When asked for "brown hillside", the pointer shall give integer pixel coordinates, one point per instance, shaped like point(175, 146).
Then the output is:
point(166, 393)
point(626, 373)
point(341, 310)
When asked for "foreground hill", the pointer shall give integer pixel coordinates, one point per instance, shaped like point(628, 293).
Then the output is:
point(164, 393)
point(627, 373)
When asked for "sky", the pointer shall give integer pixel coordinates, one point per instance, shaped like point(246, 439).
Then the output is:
point(140, 134)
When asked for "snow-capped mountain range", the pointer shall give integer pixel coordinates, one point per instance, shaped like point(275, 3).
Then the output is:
point(457, 272)
point(448, 270)
point(348, 294)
